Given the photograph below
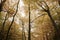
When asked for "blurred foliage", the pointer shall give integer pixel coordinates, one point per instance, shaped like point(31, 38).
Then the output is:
point(40, 28)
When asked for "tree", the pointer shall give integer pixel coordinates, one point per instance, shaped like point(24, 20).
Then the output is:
point(49, 14)
point(12, 21)
point(29, 30)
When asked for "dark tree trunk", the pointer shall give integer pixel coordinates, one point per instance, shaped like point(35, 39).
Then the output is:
point(29, 31)
point(12, 21)
point(52, 20)
point(1, 4)
point(2, 29)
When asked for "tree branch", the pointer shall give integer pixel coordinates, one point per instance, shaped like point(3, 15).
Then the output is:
point(37, 17)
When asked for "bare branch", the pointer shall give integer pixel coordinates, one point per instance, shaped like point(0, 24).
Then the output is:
point(37, 17)
point(2, 29)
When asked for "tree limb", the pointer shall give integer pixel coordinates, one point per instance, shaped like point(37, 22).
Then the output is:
point(37, 17)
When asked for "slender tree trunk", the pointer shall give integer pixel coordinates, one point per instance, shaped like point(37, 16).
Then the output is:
point(52, 20)
point(46, 36)
point(54, 24)
point(2, 29)
point(23, 32)
point(12, 21)
point(1, 32)
point(29, 31)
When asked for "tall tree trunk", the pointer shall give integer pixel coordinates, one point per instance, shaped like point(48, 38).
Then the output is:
point(29, 31)
point(52, 20)
point(2, 29)
point(12, 21)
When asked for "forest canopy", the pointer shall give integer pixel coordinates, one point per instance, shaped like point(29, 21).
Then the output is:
point(29, 19)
